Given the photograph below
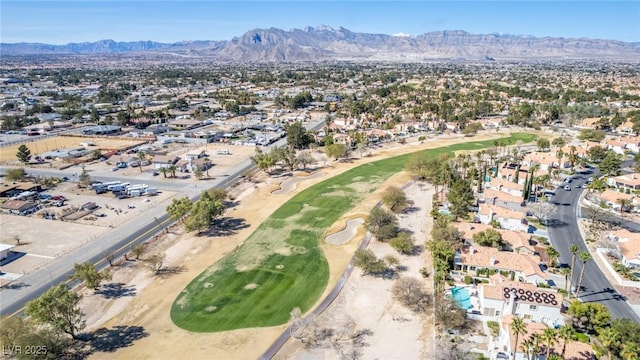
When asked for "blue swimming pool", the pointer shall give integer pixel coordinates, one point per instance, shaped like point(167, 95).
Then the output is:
point(461, 297)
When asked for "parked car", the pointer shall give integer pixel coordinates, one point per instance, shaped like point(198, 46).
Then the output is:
point(567, 188)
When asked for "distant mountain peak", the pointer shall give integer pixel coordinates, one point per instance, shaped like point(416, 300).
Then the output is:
point(323, 42)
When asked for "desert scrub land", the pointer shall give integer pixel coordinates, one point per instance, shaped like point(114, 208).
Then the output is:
point(281, 266)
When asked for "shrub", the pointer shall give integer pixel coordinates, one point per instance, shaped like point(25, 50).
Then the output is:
point(467, 279)
point(494, 326)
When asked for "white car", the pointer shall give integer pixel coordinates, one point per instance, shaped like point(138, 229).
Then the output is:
point(567, 188)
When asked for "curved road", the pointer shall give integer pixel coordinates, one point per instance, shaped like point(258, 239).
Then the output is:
point(563, 229)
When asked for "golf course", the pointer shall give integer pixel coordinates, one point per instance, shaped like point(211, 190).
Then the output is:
point(281, 265)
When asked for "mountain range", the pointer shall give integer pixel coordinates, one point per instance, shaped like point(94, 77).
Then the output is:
point(326, 43)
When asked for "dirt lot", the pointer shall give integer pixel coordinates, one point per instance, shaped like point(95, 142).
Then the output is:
point(8, 154)
point(44, 240)
point(190, 255)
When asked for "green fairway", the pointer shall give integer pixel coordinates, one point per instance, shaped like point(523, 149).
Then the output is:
point(281, 266)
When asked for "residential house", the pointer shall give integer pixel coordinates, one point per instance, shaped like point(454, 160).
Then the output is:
point(161, 161)
point(615, 145)
point(195, 154)
point(201, 163)
point(573, 350)
point(610, 198)
point(514, 173)
point(524, 267)
point(517, 241)
point(545, 160)
point(629, 245)
point(506, 186)
point(525, 300)
point(183, 124)
point(5, 249)
point(503, 199)
point(18, 207)
point(507, 218)
point(632, 143)
point(626, 181)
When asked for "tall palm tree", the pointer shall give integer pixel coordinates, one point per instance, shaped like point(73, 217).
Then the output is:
point(549, 337)
point(573, 157)
point(553, 255)
point(172, 169)
point(519, 327)
point(527, 347)
point(164, 171)
point(609, 338)
point(625, 204)
point(566, 272)
point(566, 333)
point(630, 351)
point(574, 250)
point(207, 164)
point(559, 155)
point(537, 342)
point(584, 257)
point(142, 156)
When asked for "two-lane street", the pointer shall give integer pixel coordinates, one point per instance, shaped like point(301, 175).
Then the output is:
point(563, 230)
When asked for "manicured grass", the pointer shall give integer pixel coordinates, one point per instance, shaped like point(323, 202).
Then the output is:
point(281, 266)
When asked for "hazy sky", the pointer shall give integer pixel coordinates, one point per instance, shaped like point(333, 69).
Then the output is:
point(60, 22)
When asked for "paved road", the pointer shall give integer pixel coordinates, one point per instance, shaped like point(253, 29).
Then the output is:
point(118, 241)
point(563, 231)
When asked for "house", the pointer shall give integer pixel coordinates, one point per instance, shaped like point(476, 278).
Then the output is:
point(615, 145)
point(508, 187)
point(510, 298)
point(629, 245)
point(626, 181)
point(517, 241)
point(195, 154)
point(514, 173)
point(521, 266)
point(183, 124)
point(573, 350)
point(544, 160)
point(610, 198)
point(102, 130)
point(508, 219)
point(502, 199)
point(18, 207)
point(5, 249)
point(161, 161)
point(201, 163)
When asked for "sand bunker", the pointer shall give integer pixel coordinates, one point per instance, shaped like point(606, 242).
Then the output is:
point(251, 286)
point(210, 308)
point(343, 237)
point(290, 184)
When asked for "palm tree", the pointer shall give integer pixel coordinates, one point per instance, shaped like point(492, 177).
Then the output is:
point(566, 333)
point(172, 168)
point(609, 338)
point(519, 327)
point(537, 342)
point(630, 351)
point(566, 272)
point(164, 171)
point(553, 255)
point(141, 157)
point(625, 204)
point(574, 250)
point(207, 164)
point(549, 337)
point(560, 155)
point(584, 257)
point(573, 157)
point(527, 347)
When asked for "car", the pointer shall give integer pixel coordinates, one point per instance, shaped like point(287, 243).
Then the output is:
point(584, 186)
point(578, 186)
point(114, 168)
point(590, 179)
point(155, 173)
point(65, 178)
point(131, 206)
point(567, 188)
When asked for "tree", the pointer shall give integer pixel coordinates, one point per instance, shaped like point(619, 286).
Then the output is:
point(179, 208)
point(630, 351)
point(489, 237)
point(88, 273)
point(395, 199)
point(611, 164)
point(402, 243)
point(541, 210)
point(23, 154)
point(142, 156)
point(297, 136)
point(573, 248)
point(549, 337)
point(609, 338)
point(197, 172)
point(566, 333)
point(368, 262)
point(597, 153)
point(16, 174)
point(203, 212)
point(305, 158)
point(553, 255)
point(460, 198)
point(558, 142)
point(527, 347)
point(96, 154)
point(336, 150)
point(592, 135)
point(207, 165)
point(138, 250)
point(543, 144)
point(58, 307)
point(172, 169)
point(625, 205)
point(519, 327)
point(410, 293)
point(584, 257)
point(449, 314)
point(378, 218)
point(154, 263)
point(164, 171)
point(588, 316)
point(84, 178)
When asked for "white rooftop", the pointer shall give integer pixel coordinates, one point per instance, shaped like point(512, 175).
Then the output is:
point(4, 247)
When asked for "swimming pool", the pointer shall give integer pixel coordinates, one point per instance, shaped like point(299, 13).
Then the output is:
point(461, 297)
